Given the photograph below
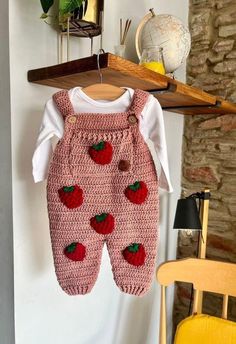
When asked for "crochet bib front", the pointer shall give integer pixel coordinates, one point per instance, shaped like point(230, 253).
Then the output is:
point(102, 188)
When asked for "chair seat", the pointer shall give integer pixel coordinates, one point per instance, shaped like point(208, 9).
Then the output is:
point(205, 329)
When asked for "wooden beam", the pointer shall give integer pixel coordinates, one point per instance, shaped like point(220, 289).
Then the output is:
point(173, 95)
point(84, 72)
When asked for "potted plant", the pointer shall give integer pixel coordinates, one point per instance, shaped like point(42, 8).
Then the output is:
point(79, 18)
point(66, 9)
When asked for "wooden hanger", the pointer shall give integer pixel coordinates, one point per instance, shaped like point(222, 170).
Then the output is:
point(103, 91)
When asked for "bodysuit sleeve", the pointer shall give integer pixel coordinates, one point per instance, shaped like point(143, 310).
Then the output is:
point(52, 125)
point(153, 129)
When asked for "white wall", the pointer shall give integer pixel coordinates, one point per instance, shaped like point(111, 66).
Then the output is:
point(43, 313)
point(6, 225)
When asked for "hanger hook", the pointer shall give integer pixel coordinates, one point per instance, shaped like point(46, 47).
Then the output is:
point(98, 63)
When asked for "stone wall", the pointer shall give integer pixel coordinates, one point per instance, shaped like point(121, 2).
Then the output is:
point(209, 149)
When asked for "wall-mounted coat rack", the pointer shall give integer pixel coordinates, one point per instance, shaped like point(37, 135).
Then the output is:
point(173, 95)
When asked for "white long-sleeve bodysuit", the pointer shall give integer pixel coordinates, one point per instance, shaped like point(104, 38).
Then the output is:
point(151, 127)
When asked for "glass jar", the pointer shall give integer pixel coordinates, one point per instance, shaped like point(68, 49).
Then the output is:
point(120, 50)
point(152, 58)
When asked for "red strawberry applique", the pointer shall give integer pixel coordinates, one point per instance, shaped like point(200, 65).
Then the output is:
point(137, 192)
point(71, 196)
point(135, 254)
point(101, 153)
point(75, 251)
point(103, 223)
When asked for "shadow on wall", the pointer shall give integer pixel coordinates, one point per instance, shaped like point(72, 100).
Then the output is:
point(35, 230)
point(135, 314)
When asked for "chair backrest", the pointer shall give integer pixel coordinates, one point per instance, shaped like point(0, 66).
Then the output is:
point(204, 274)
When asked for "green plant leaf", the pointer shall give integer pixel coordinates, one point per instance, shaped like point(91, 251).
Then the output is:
point(43, 16)
point(68, 6)
point(46, 4)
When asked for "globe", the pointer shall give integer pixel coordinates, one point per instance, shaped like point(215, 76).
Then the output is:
point(167, 31)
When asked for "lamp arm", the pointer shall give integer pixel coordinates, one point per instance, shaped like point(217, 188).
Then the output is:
point(204, 195)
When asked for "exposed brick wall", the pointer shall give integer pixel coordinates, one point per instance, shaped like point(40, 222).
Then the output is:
point(209, 148)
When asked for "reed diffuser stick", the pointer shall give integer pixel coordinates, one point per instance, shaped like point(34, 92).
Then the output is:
point(123, 35)
point(120, 30)
point(127, 29)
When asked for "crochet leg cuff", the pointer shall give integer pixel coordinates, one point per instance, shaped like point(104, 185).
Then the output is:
point(134, 290)
point(77, 290)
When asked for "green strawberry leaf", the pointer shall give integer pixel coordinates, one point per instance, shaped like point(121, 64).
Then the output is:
point(71, 247)
point(68, 188)
point(101, 217)
point(99, 146)
point(133, 248)
point(135, 186)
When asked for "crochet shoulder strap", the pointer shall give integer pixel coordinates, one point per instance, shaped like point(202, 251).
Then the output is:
point(63, 103)
point(139, 101)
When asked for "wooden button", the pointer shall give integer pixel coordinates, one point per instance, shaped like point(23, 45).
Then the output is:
point(132, 119)
point(72, 119)
point(124, 165)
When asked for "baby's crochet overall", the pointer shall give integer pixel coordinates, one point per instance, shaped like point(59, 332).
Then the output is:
point(102, 187)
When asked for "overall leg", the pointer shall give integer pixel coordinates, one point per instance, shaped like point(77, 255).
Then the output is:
point(133, 244)
point(76, 248)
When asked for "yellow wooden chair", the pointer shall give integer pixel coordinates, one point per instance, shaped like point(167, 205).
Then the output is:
point(205, 275)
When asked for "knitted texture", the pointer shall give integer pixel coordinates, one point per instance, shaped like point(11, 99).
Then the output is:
point(91, 202)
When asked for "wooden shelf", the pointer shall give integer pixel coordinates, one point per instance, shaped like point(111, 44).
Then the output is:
point(173, 95)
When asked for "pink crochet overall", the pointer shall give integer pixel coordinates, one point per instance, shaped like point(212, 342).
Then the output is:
point(103, 188)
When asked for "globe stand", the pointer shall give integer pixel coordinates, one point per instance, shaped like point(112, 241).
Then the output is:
point(171, 75)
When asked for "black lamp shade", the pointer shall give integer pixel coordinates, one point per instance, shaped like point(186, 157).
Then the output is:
point(187, 215)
